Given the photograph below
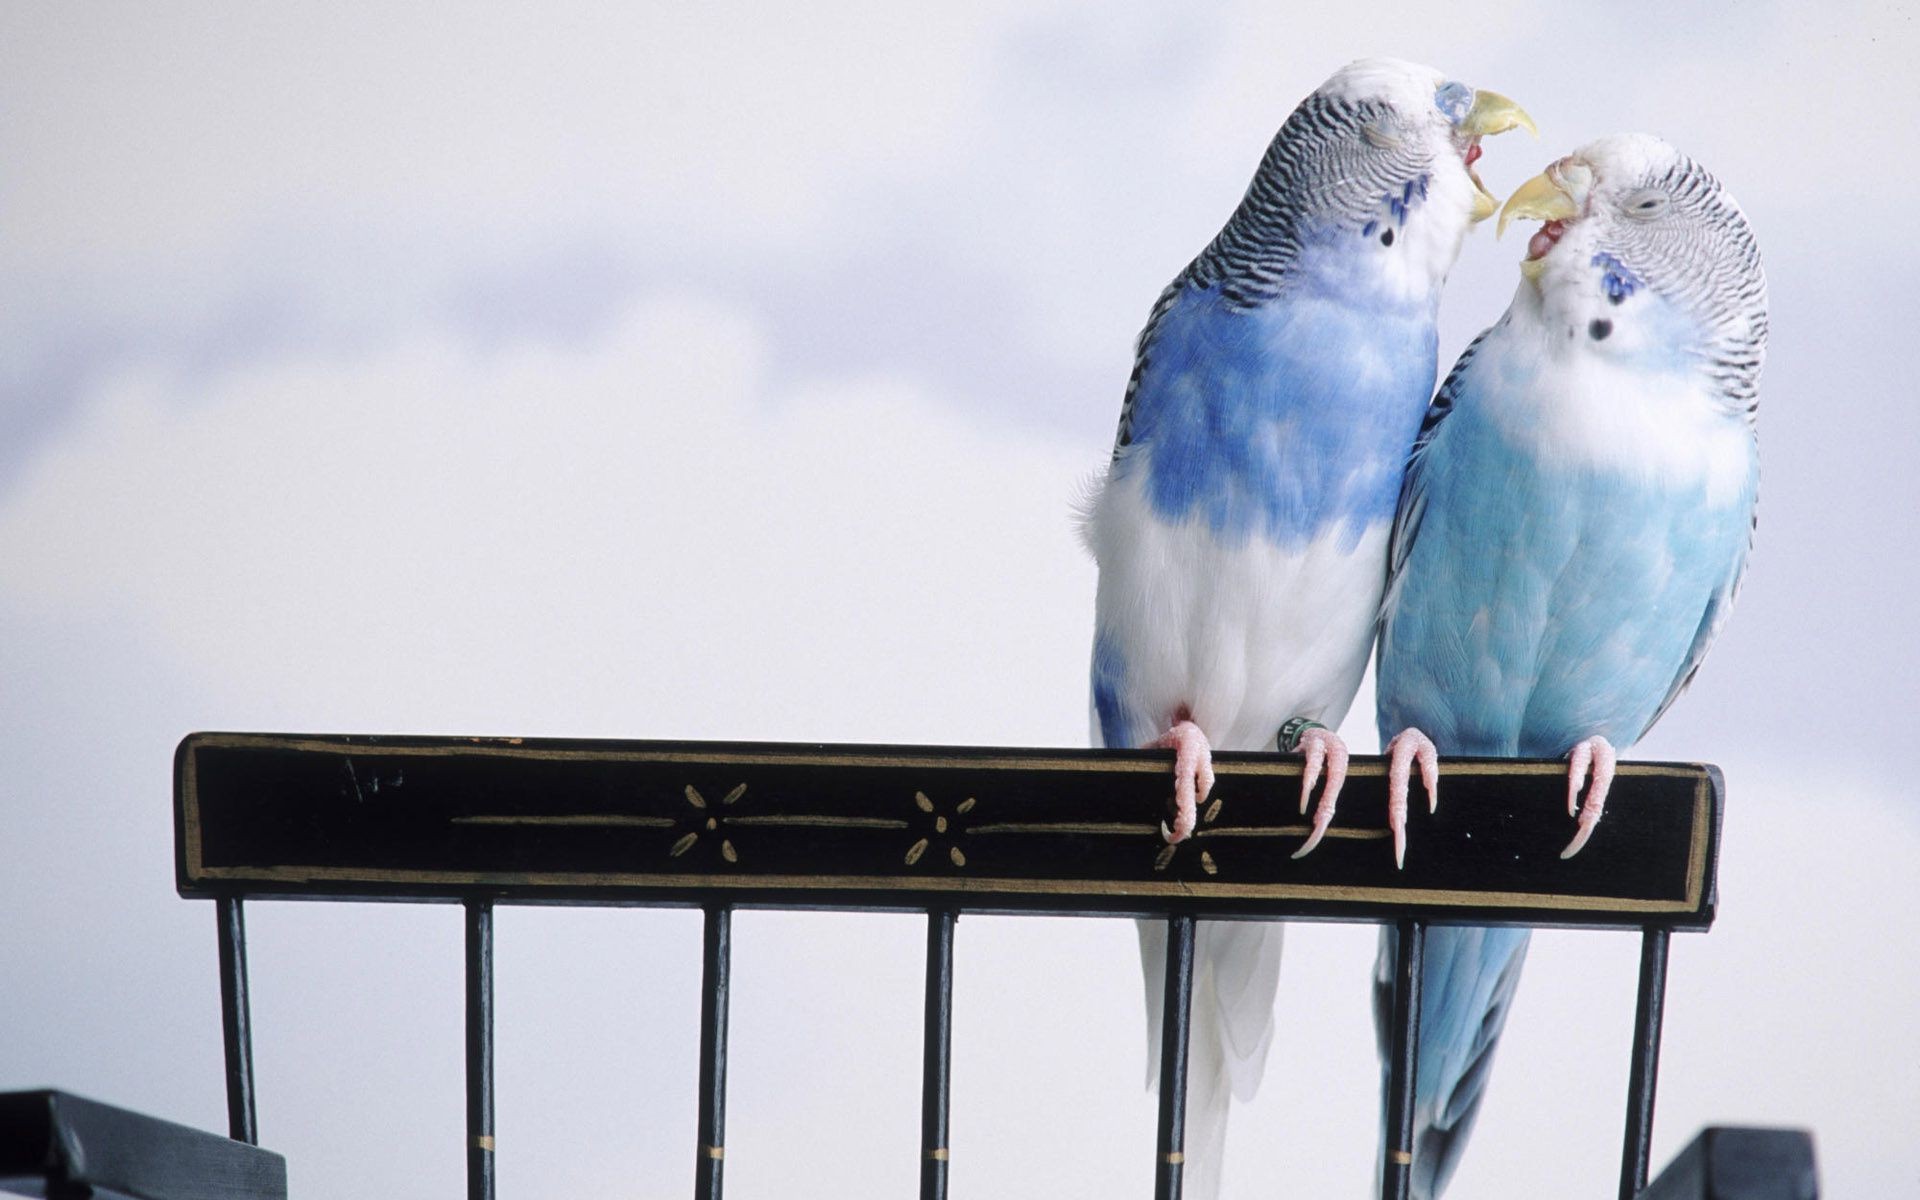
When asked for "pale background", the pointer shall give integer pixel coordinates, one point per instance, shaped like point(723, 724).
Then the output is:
point(729, 372)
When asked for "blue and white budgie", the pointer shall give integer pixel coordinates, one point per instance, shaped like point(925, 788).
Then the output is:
point(1573, 528)
point(1241, 530)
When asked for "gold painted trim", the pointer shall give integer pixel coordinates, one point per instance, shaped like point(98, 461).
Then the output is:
point(1173, 1158)
point(821, 821)
point(716, 1152)
point(1702, 833)
point(1400, 1158)
point(488, 749)
point(190, 812)
point(1130, 829)
point(1337, 893)
point(1288, 831)
point(483, 1141)
point(1122, 828)
point(939, 1155)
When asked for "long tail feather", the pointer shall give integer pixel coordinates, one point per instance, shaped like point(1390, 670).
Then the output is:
point(1236, 974)
point(1466, 990)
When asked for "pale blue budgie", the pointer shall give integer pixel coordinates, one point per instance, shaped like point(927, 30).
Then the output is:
point(1573, 528)
point(1241, 530)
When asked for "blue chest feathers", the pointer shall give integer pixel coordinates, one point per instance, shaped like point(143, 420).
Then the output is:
point(1542, 604)
point(1280, 421)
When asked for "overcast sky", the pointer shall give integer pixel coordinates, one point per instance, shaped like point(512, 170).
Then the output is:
point(717, 372)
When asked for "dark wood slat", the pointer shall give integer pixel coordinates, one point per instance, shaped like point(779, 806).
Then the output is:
point(1403, 1058)
point(936, 1056)
point(1644, 1069)
point(1735, 1163)
point(60, 1144)
point(236, 1025)
point(900, 827)
point(479, 1022)
point(710, 1155)
point(1175, 1024)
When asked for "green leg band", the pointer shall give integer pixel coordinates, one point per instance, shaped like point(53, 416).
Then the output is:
point(1295, 729)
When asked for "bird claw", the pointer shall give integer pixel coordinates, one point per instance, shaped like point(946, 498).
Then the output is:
point(1192, 775)
point(1598, 754)
point(1323, 749)
point(1406, 747)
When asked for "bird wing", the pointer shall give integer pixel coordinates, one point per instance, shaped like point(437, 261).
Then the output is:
point(1413, 496)
point(1719, 605)
point(1142, 348)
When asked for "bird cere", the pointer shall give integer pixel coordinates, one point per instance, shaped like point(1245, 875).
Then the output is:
point(1543, 550)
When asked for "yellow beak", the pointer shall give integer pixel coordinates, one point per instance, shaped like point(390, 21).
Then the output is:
point(1542, 198)
point(1491, 113)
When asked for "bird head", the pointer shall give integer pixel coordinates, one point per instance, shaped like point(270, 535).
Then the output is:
point(1641, 252)
point(1379, 162)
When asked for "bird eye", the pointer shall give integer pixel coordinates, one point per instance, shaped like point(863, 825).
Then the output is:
point(1646, 204)
point(1379, 136)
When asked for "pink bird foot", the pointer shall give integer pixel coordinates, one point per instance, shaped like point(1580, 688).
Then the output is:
point(1192, 773)
point(1406, 747)
point(1596, 752)
point(1322, 748)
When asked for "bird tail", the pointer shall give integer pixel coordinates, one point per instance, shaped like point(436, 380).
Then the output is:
point(1236, 973)
point(1466, 990)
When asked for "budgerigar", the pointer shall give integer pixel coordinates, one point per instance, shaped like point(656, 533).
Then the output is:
point(1241, 530)
point(1573, 528)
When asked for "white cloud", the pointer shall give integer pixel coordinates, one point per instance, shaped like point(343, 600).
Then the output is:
point(649, 536)
point(171, 131)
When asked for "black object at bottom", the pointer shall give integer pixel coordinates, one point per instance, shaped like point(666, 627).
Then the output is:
point(710, 1155)
point(62, 1146)
point(1741, 1164)
point(1396, 1173)
point(1644, 1071)
point(936, 1060)
point(479, 1050)
point(1176, 1020)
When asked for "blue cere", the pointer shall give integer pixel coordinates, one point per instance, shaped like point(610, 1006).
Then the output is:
point(1399, 205)
point(1617, 280)
point(1453, 99)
